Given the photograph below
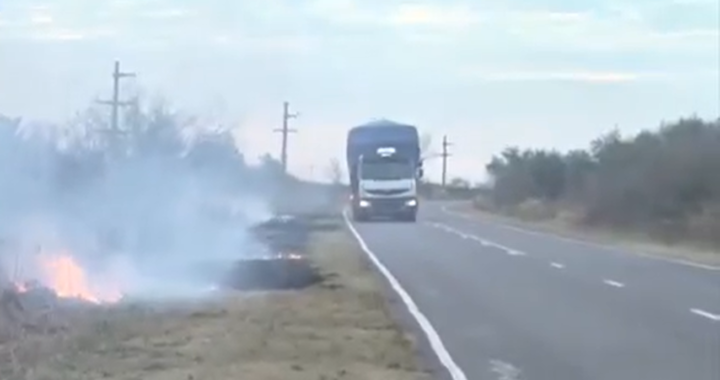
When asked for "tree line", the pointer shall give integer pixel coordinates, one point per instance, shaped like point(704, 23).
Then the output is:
point(664, 181)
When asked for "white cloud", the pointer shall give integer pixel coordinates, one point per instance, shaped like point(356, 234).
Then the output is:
point(60, 35)
point(702, 2)
point(617, 27)
point(595, 31)
point(433, 16)
point(41, 19)
point(222, 40)
point(685, 2)
point(124, 3)
point(614, 27)
point(70, 35)
point(705, 35)
point(538, 18)
point(635, 14)
point(353, 13)
point(291, 43)
point(562, 76)
point(342, 12)
point(38, 7)
point(33, 14)
point(170, 13)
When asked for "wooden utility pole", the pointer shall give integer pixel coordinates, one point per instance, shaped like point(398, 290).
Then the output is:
point(285, 131)
point(115, 102)
point(445, 155)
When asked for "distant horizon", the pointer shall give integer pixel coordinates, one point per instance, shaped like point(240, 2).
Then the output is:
point(481, 181)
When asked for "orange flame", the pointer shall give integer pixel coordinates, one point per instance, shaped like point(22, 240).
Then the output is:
point(68, 280)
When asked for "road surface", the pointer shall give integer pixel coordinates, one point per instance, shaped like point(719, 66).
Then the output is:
point(501, 303)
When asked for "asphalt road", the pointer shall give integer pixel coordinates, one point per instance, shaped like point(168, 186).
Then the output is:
point(502, 303)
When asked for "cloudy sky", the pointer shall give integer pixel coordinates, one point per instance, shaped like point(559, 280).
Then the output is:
point(488, 73)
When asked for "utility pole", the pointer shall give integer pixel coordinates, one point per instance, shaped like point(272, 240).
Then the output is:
point(445, 155)
point(285, 131)
point(115, 102)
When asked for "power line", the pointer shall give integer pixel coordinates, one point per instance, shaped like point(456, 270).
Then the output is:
point(445, 154)
point(285, 131)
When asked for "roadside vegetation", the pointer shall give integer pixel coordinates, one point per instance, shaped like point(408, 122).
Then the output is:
point(158, 161)
point(338, 328)
point(661, 184)
point(164, 189)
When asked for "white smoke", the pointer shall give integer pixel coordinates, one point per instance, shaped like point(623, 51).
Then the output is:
point(149, 212)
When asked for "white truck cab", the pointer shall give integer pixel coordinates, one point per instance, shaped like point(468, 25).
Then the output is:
point(387, 186)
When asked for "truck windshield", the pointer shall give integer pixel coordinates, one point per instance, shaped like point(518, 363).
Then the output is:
point(386, 170)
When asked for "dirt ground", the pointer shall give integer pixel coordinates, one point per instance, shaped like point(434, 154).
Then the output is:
point(338, 329)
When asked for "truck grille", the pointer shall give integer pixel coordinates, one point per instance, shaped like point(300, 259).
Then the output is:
point(388, 204)
point(386, 192)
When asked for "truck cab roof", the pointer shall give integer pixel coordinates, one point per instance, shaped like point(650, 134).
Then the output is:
point(383, 123)
point(366, 138)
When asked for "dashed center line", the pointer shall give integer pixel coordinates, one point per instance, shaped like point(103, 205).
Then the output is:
point(486, 243)
point(586, 243)
point(504, 370)
point(513, 252)
point(706, 314)
point(614, 283)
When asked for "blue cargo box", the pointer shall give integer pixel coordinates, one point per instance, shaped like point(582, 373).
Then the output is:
point(367, 138)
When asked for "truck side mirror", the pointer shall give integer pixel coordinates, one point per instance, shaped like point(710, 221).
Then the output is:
point(421, 173)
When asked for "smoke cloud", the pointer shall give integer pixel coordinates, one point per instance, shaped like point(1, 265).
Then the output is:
point(150, 210)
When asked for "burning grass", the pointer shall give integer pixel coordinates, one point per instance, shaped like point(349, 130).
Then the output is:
point(337, 328)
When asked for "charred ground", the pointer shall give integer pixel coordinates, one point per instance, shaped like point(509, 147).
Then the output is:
point(308, 307)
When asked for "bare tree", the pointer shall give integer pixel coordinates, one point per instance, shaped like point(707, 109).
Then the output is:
point(460, 183)
point(425, 144)
point(335, 171)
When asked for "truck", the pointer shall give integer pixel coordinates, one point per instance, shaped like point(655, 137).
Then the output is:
point(384, 166)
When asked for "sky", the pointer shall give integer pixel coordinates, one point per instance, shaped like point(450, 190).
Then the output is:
point(488, 74)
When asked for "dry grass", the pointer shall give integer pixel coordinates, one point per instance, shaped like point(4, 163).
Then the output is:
point(565, 223)
point(339, 329)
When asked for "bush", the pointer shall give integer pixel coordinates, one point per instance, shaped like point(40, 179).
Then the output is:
point(664, 182)
point(534, 209)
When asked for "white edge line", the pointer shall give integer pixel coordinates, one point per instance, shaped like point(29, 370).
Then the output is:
point(590, 244)
point(706, 314)
point(614, 283)
point(456, 373)
point(557, 265)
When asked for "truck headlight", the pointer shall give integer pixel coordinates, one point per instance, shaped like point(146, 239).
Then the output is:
point(364, 203)
point(411, 202)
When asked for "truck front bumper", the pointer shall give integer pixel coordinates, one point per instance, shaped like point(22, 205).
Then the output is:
point(387, 206)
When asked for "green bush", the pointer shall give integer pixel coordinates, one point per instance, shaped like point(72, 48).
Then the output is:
point(664, 182)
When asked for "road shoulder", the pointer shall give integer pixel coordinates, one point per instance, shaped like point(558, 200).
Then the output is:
point(339, 328)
